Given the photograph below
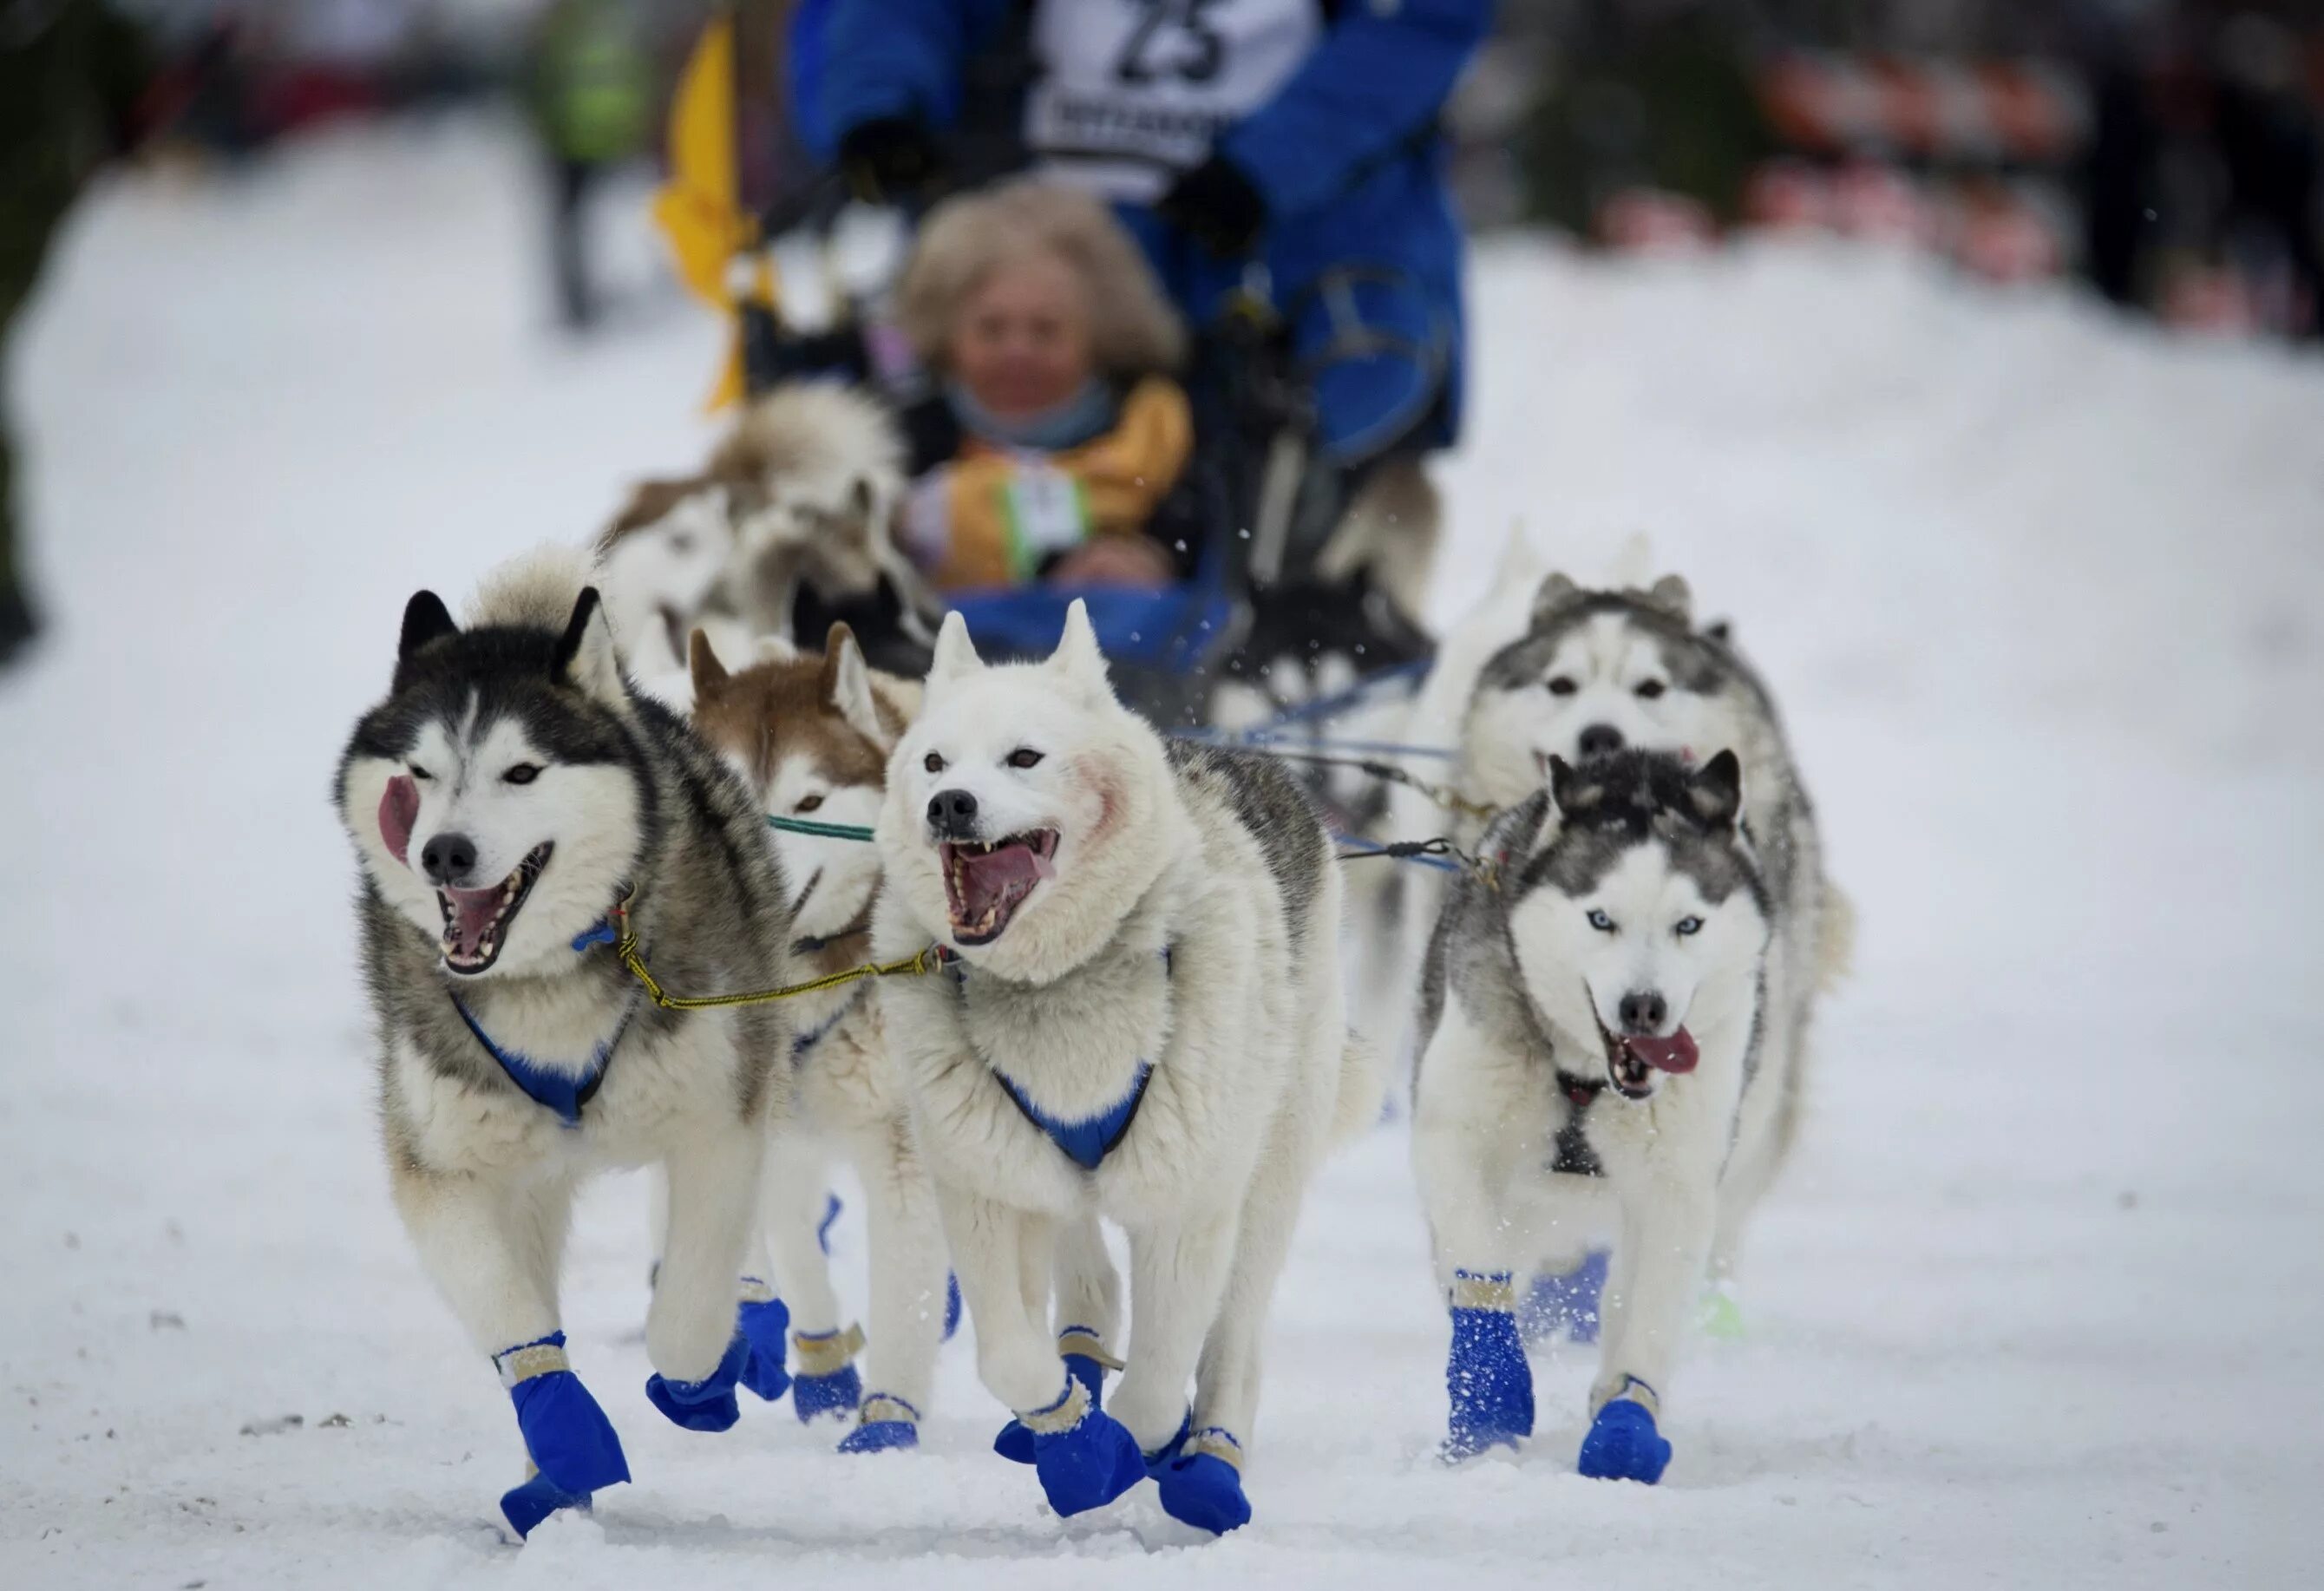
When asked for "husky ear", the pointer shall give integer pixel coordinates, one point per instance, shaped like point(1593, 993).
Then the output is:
point(956, 653)
point(425, 619)
point(1078, 656)
point(584, 657)
point(1556, 592)
point(847, 687)
point(1717, 791)
point(702, 662)
point(1671, 595)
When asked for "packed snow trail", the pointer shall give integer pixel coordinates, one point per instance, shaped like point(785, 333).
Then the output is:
point(2038, 1303)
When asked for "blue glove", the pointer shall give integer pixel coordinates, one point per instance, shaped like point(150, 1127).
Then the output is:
point(708, 1404)
point(1200, 1478)
point(570, 1441)
point(1623, 1443)
point(890, 1424)
point(1489, 1382)
point(827, 1382)
point(1084, 1457)
point(1015, 1443)
point(765, 1323)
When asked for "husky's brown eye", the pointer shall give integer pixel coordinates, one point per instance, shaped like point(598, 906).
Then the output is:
point(419, 772)
point(1024, 756)
point(1651, 689)
point(522, 773)
point(932, 763)
point(808, 804)
point(1562, 686)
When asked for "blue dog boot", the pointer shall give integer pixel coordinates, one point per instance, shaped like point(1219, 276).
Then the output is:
point(1086, 1361)
point(1623, 1443)
point(951, 1304)
point(1164, 1456)
point(571, 1443)
point(827, 1382)
point(888, 1425)
point(708, 1404)
point(1085, 1456)
point(765, 1323)
point(1563, 1306)
point(1486, 1376)
point(1203, 1485)
point(525, 1506)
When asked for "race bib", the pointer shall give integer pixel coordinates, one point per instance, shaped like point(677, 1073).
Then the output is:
point(1136, 91)
point(1045, 510)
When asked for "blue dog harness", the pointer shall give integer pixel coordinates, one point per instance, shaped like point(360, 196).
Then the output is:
point(1085, 1142)
point(546, 1085)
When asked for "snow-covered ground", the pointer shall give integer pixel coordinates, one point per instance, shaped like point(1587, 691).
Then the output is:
point(2039, 1303)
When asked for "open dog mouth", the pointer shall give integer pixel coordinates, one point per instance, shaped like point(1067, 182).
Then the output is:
point(986, 881)
point(1632, 1059)
point(477, 921)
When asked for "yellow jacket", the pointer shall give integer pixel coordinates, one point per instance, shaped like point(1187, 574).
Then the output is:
point(1009, 511)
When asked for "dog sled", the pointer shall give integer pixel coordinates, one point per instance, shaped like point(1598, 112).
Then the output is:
point(1266, 621)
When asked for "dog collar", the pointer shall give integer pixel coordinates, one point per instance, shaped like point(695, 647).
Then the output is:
point(1085, 1142)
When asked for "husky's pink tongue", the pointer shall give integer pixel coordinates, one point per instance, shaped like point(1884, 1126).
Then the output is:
point(986, 878)
point(399, 809)
point(1673, 1054)
point(472, 912)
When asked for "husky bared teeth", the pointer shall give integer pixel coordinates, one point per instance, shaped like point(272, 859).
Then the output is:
point(985, 881)
point(475, 922)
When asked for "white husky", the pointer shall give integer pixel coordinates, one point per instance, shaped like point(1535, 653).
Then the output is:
point(1593, 1008)
point(810, 734)
point(1141, 1018)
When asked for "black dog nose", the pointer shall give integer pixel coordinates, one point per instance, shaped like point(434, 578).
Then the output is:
point(953, 813)
point(448, 858)
point(1644, 1012)
point(1600, 740)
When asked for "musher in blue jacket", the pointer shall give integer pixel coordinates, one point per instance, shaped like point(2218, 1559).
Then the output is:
point(1297, 135)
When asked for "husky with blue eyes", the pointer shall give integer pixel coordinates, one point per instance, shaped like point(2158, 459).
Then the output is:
point(1138, 1019)
point(1592, 1020)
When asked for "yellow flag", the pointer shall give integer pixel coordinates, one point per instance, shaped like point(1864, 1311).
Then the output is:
point(699, 209)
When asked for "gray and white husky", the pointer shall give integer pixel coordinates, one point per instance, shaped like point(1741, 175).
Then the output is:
point(1593, 1010)
point(1601, 671)
point(1141, 1019)
point(509, 798)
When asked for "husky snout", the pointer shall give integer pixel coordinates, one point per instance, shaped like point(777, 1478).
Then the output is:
point(952, 814)
point(448, 859)
point(1643, 1012)
point(1598, 740)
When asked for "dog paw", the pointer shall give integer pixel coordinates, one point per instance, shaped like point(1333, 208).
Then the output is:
point(1488, 1384)
point(1088, 1464)
point(525, 1506)
point(1205, 1491)
point(704, 1405)
point(1015, 1443)
point(1563, 1306)
point(765, 1324)
point(567, 1435)
point(1623, 1445)
point(890, 1424)
point(836, 1393)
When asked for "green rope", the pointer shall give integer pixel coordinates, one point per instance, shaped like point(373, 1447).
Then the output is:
point(820, 831)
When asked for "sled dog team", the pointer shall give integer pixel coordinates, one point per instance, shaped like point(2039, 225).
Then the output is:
point(1108, 988)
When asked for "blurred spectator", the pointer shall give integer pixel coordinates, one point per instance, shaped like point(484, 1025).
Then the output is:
point(73, 77)
point(590, 92)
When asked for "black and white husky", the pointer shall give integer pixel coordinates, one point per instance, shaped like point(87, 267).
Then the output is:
point(1593, 1013)
point(1141, 1020)
point(1593, 671)
point(505, 799)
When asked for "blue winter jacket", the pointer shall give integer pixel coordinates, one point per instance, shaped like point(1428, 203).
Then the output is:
point(1346, 155)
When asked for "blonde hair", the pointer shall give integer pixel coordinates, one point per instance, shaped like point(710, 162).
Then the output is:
point(1133, 331)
